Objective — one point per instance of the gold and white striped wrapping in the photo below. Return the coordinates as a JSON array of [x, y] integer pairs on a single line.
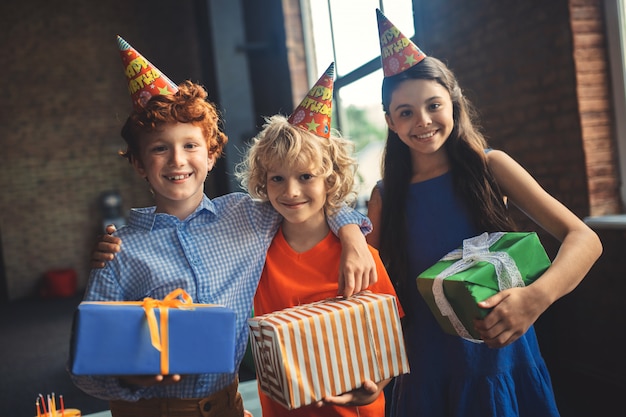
[[305, 353]]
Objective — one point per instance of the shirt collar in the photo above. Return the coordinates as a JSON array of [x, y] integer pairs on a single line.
[[145, 218]]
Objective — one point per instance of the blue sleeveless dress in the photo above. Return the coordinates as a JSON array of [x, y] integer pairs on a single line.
[[450, 376]]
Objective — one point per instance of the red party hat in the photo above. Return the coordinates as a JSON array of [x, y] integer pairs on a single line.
[[144, 79], [314, 113], [397, 52]]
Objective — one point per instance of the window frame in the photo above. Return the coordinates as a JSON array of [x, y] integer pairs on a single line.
[[344, 80]]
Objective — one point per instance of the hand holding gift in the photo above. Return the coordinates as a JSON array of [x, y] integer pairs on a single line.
[[150, 380], [483, 267], [511, 313], [366, 394]]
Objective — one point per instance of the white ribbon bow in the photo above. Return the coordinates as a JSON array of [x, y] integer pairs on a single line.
[[475, 250]]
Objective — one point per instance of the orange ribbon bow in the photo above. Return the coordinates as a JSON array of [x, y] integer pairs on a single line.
[[159, 337]]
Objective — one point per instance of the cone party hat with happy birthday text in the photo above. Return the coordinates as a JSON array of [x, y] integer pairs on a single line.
[[144, 79], [397, 52], [314, 113]]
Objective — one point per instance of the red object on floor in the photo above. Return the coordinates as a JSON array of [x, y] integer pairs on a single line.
[[59, 283]]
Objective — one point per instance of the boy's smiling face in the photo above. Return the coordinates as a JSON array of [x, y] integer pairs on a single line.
[[175, 161], [298, 194]]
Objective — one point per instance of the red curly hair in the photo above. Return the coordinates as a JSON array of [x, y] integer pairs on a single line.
[[188, 105]]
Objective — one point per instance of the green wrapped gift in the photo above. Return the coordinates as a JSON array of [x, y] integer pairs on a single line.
[[483, 266]]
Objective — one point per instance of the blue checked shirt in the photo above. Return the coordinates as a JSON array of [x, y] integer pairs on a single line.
[[216, 255]]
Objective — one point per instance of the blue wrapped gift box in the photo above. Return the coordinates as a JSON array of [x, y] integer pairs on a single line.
[[113, 338]]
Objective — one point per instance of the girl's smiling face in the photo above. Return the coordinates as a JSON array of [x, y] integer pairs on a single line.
[[420, 112], [175, 161]]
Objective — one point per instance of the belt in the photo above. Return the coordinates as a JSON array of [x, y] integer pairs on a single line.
[[224, 403]]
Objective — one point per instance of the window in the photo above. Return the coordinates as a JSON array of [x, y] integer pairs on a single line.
[[346, 32]]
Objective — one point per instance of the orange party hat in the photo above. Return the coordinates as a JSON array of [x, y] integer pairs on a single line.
[[397, 52], [144, 79], [314, 113]]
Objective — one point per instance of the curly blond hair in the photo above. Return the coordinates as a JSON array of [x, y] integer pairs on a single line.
[[281, 144]]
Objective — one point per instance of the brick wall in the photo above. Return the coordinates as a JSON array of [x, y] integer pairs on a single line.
[[295, 50], [514, 61], [64, 101], [538, 73]]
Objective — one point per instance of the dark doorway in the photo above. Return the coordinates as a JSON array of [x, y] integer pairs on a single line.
[[4, 292]]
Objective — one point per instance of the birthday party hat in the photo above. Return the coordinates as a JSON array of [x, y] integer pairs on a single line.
[[397, 52], [144, 79], [314, 113]]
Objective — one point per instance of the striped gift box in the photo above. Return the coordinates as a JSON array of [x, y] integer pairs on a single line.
[[305, 353]]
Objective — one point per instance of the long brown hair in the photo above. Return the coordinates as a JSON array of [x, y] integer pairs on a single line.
[[471, 176]]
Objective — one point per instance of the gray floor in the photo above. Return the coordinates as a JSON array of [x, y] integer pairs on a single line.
[[34, 351], [250, 395]]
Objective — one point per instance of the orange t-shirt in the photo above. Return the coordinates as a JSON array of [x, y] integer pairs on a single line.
[[289, 279]]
